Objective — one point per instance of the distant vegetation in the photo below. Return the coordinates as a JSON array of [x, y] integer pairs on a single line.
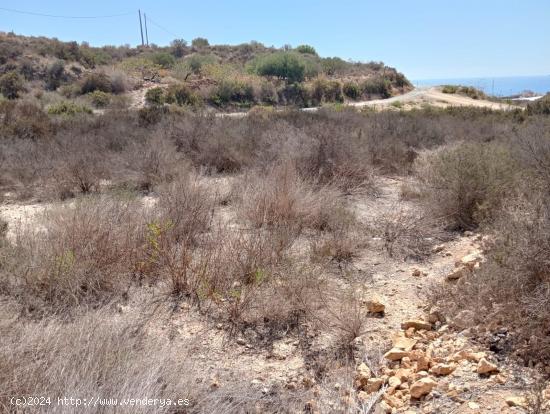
[[464, 90], [540, 106], [220, 76]]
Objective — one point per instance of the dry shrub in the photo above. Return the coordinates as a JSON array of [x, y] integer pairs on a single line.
[[149, 164], [408, 233], [280, 197], [346, 318], [185, 208], [98, 355], [466, 183], [81, 253], [513, 286]]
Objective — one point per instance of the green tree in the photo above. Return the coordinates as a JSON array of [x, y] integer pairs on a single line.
[[306, 50], [283, 65], [200, 42], [179, 47]]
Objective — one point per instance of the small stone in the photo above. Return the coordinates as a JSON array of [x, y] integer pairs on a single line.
[[402, 342], [416, 324], [501, 378], [457, 274], [515, 401], [395, 354], [362, 375], [473, 405], [439, 248], [468, 356], [416, 273], [470, 260], [422, 387], [442, 369], [374, 384], [394, 382], [486, 367], [393, 401], [376, 304]]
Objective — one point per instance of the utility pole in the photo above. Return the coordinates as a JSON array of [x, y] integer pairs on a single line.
[[140, 27], [146, 35]]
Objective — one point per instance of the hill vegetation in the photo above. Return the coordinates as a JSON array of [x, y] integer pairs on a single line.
[[211, 75]]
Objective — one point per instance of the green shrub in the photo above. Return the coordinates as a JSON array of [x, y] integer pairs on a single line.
[[540, 107], [92, 57], [196, 62], [283, 65], [376, 86], [181, 95], [465, 184], [294, 94], [68, 108], [268, 94], [11, 84], [96, 82], [306, 49], [163, 59], [55, 74], [449, 89], [100, 99], [230, 90], [155, 96], [464, 90], [326, 91], [332, 66], [351, 90], [200, 42]]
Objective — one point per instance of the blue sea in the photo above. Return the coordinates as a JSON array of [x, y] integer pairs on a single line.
[[498, 86]]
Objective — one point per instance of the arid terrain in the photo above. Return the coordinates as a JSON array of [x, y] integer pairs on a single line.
[[343, 260], [199, 228]]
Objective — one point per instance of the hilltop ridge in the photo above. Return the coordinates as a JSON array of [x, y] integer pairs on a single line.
[[191, 75]]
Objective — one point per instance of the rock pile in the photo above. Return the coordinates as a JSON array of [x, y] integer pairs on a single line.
[[417, 365]]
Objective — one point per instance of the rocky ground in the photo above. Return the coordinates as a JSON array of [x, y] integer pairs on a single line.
[[410, 359]]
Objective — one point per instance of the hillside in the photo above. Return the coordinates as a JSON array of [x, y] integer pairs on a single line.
[[51, 72]]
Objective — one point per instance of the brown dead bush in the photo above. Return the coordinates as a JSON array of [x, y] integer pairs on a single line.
[[98, 355], [185, 208], [82, 253], [281, 197]]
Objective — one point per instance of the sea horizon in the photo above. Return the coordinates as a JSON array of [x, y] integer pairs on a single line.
[[495, 85]]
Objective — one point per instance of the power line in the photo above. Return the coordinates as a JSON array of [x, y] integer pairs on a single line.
[[64, 17], [163, 28]]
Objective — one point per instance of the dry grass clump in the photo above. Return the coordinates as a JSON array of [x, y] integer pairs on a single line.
[[82, 253], [281, 196], [465, 184], [408, 233], [185, 208], [98, 355]]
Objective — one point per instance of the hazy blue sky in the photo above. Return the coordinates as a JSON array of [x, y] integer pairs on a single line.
[[422, 38]]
